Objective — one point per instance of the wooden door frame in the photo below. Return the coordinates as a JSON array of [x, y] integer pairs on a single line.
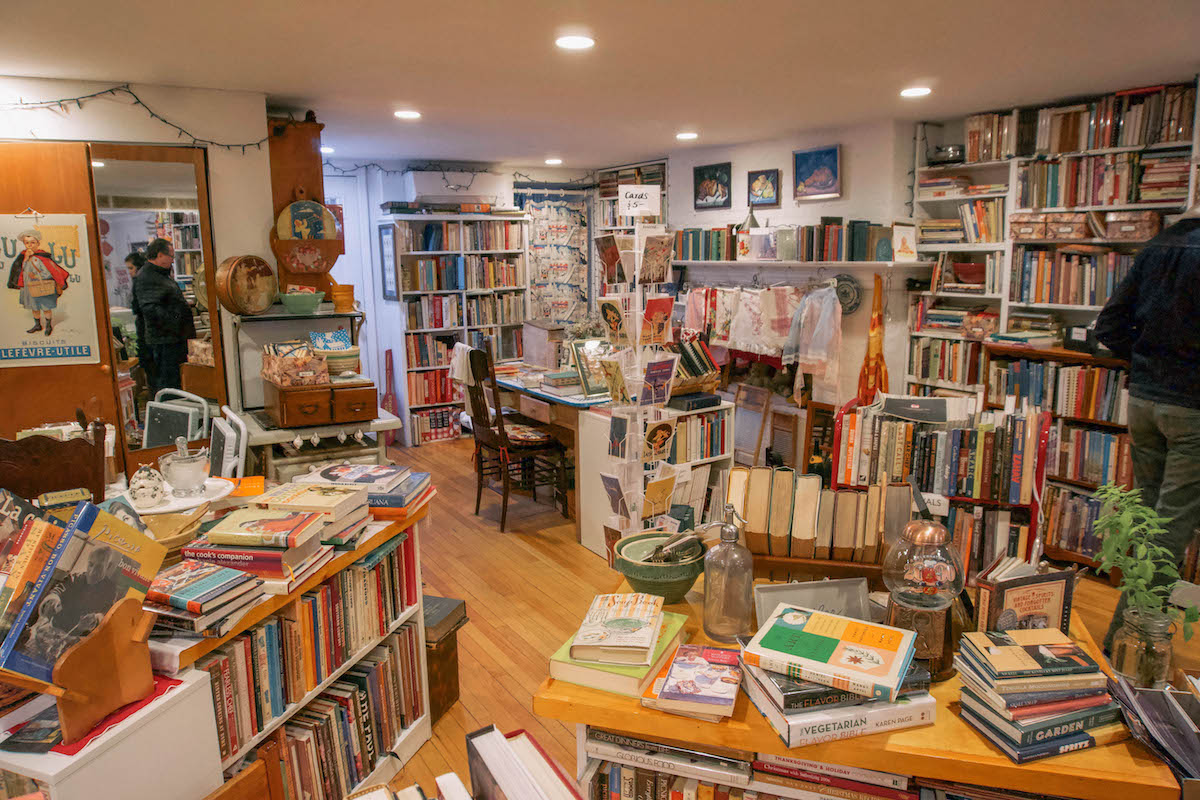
[[198, 158]]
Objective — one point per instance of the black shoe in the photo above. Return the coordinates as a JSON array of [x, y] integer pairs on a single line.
[[49, 327], [37, 326]]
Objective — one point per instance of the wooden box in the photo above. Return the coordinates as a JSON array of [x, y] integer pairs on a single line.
[[355, 403], [1027, 226], [298, 407], [443, 616], [542, 342]]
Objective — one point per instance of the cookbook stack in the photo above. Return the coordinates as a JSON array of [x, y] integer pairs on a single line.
[[196, 599]]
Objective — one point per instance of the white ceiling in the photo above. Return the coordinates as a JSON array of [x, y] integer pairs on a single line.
[[493, 87]]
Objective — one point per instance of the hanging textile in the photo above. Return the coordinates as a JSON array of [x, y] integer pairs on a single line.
[[696, 314], [724, 309], [815, 338], [747, 326], [873, 377], [762, 320], [558, 258]]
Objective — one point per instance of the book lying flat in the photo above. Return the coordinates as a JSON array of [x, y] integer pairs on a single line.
[[699, 680], [376, 478], [1081, 740], [332, 502], [619, 629], [1030, 653], [260, 527], [792, 695], [199, 587], [1023, 733], [628, 680], [1049, 683]]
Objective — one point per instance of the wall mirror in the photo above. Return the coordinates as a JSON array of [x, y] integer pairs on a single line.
[[165, 325]]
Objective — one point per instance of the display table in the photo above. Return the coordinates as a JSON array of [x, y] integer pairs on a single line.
[[949, 749]]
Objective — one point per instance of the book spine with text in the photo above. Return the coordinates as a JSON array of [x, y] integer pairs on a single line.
[[846, 723], [856, 774], [832, 785], [664, 762], [826, 675]]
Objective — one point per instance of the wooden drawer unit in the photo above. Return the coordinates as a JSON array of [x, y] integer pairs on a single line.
[[355, 403], [299, 407]]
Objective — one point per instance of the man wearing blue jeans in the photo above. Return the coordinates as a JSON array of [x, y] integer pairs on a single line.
[[1153, 320]]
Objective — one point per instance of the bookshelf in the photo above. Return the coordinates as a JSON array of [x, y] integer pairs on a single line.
[[459, 277], [605, 219], [1035, 132]]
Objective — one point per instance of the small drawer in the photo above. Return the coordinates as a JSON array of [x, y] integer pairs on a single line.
[[297, 408], [535, 409], [355, 404]]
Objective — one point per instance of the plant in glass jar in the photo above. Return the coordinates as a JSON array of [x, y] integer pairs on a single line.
[[1128, 529]]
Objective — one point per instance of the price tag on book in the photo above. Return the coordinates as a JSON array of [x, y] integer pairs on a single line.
[[938, 504], [639, 201]]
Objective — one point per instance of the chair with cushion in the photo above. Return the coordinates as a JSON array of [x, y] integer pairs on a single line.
[[510, 447]]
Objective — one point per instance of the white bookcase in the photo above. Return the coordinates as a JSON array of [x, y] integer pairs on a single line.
[[498, 311]]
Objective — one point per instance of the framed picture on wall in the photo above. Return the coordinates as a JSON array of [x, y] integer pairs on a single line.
[[387, 257], [710, 186], [762, 188], [817, 173]]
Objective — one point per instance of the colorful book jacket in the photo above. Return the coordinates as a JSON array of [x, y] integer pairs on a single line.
[[257, 527], [1030, 602], [799, 695], [620, 620], [700, 674], [14, 511], [836, 651], [189, 585], [409, 489], [97, 562], [1027, 653], [375, 478], [1081, 740]]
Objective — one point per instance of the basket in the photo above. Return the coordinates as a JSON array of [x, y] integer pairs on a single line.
[[340, 361], [41, 287], [295, 370]]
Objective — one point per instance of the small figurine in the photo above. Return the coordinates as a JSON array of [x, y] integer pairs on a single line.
[[147, 488]]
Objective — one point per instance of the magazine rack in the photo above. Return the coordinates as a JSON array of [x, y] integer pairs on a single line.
[[107, 669]]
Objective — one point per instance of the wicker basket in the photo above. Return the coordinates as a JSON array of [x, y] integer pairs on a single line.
[[340, 361]]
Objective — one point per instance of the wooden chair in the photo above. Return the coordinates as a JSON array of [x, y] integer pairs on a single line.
[[509, 447], [37, 464]]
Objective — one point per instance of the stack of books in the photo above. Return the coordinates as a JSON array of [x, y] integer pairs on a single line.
[[1163, 178], [562, 383], [342, 504], [941, 187], [202, 600], [630, 680], [940, 231], [1035, 693], [864, 688], [399, 503]]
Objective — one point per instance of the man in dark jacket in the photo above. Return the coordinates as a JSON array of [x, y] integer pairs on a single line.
[[1153, 320], [164, 319]]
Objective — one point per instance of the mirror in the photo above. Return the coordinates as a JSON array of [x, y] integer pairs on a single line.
[[155, 244]]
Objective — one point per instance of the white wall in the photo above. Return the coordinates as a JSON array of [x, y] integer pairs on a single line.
[[239, 184], [875, 162]]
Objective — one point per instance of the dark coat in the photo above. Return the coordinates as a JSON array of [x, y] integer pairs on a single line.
[[163, 316]]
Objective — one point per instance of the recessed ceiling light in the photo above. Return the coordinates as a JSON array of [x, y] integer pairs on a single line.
[[408, 113], [97, 163], [575, 42], [684, 136], [326, 149], [915, 91], [553, 162]]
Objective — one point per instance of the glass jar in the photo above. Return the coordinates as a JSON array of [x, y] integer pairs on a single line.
[[922, 570], [1141, 649], [728, 584]]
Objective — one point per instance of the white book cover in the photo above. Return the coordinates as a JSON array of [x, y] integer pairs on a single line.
[[666, 762], [885, 779], [619, 628]]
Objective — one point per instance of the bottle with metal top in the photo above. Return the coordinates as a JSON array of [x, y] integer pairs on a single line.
[[728, 583]]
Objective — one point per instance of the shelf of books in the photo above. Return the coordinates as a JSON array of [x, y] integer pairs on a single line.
[[1035, 229], [459, 277]]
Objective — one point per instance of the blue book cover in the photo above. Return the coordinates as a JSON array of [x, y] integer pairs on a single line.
[[272, 662], [403, 494], [311, 604], [263, 671], [372, 559]]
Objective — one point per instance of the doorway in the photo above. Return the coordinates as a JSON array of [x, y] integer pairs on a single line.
[[346, 197]]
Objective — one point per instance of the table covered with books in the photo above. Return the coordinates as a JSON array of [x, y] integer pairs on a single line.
[[947, 750]]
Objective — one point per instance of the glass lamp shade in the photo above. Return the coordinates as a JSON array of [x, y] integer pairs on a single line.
[[922, 570]]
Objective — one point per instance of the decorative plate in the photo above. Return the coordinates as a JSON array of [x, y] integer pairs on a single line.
[[306, 219], [849, 292]]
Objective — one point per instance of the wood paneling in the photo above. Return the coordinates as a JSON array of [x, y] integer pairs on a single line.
[[55, 178]]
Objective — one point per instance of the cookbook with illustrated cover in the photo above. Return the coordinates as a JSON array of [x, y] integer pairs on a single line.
[[376, 478], [260, 527], [627, 622], [193, 585], [328, 499], [1030, 601], [1027, 653], [14, 511], [832, 650], [701, 675]]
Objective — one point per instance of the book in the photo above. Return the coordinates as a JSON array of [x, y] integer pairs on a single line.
[[1022, 598], [377, 479], [344, 533], [823, 784], [213, 624], [865, 658], [856, 774], [1049, 683], [628, 680], [265, 562], [703, 766], [1081, 740], [699, 680], [39, 538], [1040, 707], [1031, 731], [258, 527], [198, 587], [758, 509], [1026, 653], [806, 505], [98, 561], [779, 521], [826, 725], [619, 629], [14, 512], [332, 502], [793, 695]]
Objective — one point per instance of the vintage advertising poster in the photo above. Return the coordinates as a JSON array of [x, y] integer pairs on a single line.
[[48, 314]]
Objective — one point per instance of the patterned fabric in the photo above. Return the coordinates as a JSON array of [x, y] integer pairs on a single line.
[[526, 434], [330, 340], [748, 326], [725, 309], [695, 315]]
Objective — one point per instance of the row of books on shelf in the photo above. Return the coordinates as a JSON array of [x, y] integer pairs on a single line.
[[435, 424], [978, 221], [441, 273], [428, 349], [1072, 275], [435, 311], [1103, 180], [954, 360], [487, 272], [982, 534], [482, 235], [1099, 393], [988, 455], [508, 343], [700, 436], [995, 136], [493, 235], [1070, 516], [1129, 118], [980, 275], [335, 741], [954, 187], [933, 313], [432, 386], [503, 309], [791, 515], [609, 181], [1089, 456], [607, 217], [833, 239]]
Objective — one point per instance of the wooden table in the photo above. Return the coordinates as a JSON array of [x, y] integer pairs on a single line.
[[949, 749]]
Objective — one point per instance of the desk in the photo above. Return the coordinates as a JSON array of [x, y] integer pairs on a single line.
[[561, 413], [949, 749]]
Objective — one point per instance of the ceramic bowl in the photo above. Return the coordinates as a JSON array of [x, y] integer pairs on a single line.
[[301, 302], [671, 580]]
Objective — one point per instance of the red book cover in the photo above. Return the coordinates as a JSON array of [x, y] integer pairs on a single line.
[[339, 632], [410, 569], [834, 781], [1061, 707], [230, 714]]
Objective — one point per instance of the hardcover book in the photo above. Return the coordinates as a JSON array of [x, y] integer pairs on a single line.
[[699, 680], [331, 501], [832, 650], [1024, 599], [619, 629], [408, 490], [376, 478], [1080, 740], [628, 680], [14, 511], [198, 587], [266, 562], [1027, 653], [794, 695], [259, 527], [1023, 733]]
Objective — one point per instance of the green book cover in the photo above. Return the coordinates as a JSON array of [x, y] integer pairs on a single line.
[[671, 625]]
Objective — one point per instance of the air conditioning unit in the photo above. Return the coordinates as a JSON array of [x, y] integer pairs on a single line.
[[485, 187]]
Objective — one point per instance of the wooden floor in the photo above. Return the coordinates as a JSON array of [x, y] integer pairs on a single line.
[[526, 590]]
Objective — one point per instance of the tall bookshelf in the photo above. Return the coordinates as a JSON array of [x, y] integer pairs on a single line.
[[459, 277], [606, 219], [1014, 172]]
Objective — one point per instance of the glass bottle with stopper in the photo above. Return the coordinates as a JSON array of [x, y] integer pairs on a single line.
[[728, 582]]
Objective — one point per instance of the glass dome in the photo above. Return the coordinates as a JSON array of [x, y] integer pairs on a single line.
[[922, 570]]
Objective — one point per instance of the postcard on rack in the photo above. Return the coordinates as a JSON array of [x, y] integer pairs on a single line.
[[658, 497], [656, 259], [657, 446], [615, 378], [618, 430], [613, 317], [610, 259], [627, 247], [616, 494], [656, 388], [656, 323]]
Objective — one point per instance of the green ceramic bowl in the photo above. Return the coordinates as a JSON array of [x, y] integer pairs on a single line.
[[301, 302], [670, 580]]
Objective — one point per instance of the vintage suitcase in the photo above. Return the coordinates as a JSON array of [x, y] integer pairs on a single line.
[[443, 617]]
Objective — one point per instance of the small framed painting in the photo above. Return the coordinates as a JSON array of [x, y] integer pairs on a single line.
[[762, 188], [387, 258], [587, 354], [710, 186], [817, 173]]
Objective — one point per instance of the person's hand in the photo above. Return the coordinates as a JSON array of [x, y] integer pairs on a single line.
[[88, 623], [50, 606]]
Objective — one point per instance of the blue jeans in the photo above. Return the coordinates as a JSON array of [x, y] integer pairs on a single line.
[[1166, 467]]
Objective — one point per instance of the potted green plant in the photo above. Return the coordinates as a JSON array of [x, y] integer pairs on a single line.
[[1128, 529]]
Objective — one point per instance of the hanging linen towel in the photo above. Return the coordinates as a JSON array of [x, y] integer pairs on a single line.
[[747, 327], [695, 314], [460, 365], [815, 337], [779, 305], [724, 309]]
